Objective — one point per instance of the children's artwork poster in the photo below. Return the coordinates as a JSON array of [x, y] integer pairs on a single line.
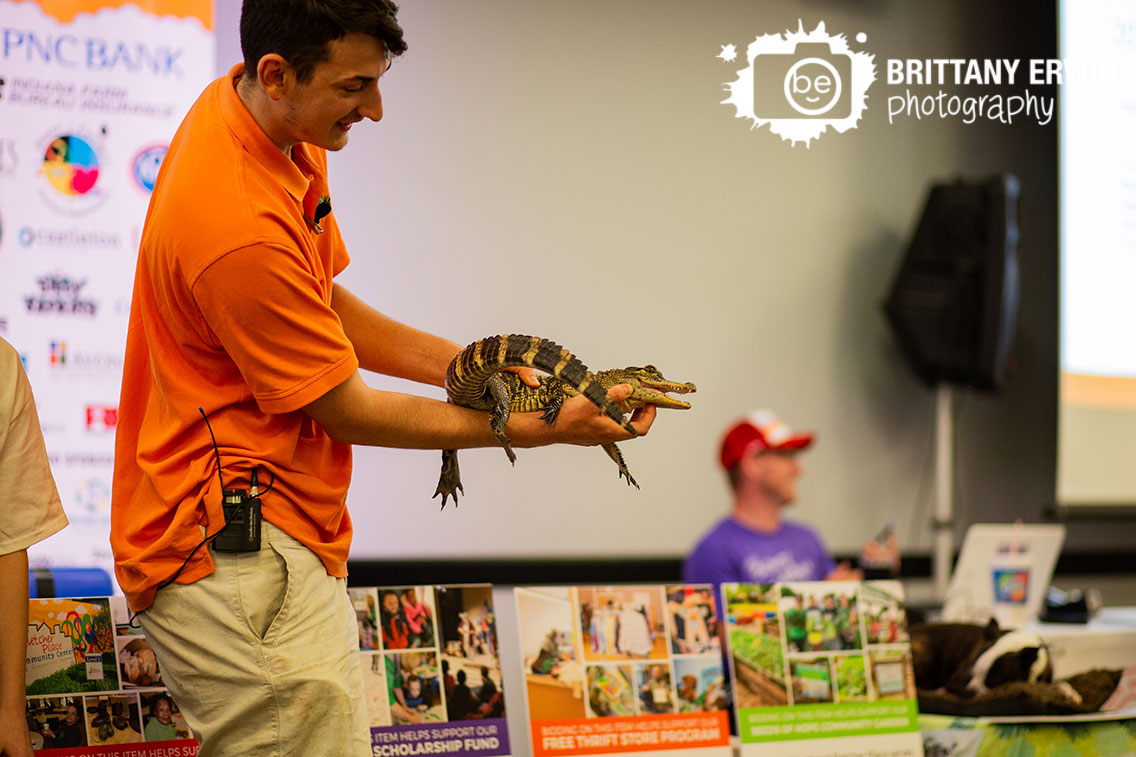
[[617, 669], [93, 686], [822, 667], [431, 670]]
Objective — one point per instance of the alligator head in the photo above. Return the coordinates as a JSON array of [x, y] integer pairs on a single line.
[[648, 385]]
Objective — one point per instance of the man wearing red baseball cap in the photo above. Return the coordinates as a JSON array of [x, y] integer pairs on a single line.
[[755, 544]]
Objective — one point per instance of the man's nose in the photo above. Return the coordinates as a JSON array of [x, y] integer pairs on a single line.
[[372, 105]]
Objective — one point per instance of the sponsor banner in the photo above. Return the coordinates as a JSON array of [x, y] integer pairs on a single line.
[[615, 669], [91, 92], [431, 670], [820, 662]]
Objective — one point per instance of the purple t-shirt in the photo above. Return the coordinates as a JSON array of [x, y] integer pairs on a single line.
[[730, 552]]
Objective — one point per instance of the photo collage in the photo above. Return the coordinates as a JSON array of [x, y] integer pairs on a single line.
[[92, 678], [428, 654], [818, 643], [620, 651]]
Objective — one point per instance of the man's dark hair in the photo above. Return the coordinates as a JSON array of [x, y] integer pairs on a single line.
[[301, 30]]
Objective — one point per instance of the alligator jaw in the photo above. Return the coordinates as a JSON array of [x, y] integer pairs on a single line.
[[648, 386], [646, 395]]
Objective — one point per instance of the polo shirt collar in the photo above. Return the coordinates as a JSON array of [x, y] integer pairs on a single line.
[[264, 150]]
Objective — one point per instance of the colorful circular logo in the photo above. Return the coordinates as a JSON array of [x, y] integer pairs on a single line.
[[71, 165], [146, 165]]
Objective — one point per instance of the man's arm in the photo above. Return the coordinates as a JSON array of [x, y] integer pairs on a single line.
[[419, 356], [14, 738], [355, 413]]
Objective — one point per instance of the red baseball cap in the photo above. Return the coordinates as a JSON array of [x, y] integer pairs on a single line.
[[760, 430]]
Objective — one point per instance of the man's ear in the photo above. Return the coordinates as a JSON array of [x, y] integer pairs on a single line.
[[274, 75]]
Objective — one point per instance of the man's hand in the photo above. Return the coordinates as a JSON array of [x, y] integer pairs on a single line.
[[527, 375], [881, 555], [580, 422]]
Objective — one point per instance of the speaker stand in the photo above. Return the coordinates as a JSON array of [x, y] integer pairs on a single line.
[[943, 524]]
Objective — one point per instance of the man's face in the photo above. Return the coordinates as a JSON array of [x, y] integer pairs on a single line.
[[72, 714], [343, 90], [775, 472]]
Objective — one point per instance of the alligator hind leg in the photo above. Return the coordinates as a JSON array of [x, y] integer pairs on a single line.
[[449, 482], [614, 453], [499, 413]]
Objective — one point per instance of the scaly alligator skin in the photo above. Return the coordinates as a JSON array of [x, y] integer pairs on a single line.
[[474, 380]]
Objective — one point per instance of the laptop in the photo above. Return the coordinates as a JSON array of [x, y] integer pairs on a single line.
[[998, 557]]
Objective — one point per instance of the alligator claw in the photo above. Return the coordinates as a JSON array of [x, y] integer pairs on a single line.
[[449, 481], [617, 456]]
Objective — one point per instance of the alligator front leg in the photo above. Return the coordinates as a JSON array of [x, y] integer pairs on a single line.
[[553, 401], [614, 453], [449, 482], [499, 413]]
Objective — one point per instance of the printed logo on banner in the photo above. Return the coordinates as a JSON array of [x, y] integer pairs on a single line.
[[801, 83], [102, 417], [91, 52], [70, 172], [92, 497], [62, 295], [144, 167], [71, 239], [64, 359]]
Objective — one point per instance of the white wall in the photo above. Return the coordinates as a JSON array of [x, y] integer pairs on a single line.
[[567, 170]]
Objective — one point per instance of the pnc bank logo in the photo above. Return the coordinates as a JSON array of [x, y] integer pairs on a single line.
[[801, 83]]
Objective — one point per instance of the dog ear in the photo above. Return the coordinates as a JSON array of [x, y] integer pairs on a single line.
[[992, 630]]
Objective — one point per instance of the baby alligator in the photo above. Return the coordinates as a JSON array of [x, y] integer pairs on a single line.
[[474, 379]]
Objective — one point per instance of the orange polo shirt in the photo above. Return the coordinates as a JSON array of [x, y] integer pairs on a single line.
[[231, 313]]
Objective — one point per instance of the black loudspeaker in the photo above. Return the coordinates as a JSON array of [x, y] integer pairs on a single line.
[[953, 306]]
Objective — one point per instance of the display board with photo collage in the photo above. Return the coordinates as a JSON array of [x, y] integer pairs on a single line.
[[822, 660], [93, 684], [431, 670], [613, 669]]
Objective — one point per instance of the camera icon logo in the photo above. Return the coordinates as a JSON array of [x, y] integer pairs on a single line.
[[808, 83], [800, 83]]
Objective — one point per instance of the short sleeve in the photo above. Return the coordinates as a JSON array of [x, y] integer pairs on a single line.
[[30, 508], [270, 310]]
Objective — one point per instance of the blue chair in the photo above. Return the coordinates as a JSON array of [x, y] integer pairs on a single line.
[[44, 583]]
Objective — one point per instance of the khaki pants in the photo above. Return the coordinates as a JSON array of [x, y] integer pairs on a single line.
[[262, 656]]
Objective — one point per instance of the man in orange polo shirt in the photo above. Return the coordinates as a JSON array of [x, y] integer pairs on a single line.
[[235, 312]]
